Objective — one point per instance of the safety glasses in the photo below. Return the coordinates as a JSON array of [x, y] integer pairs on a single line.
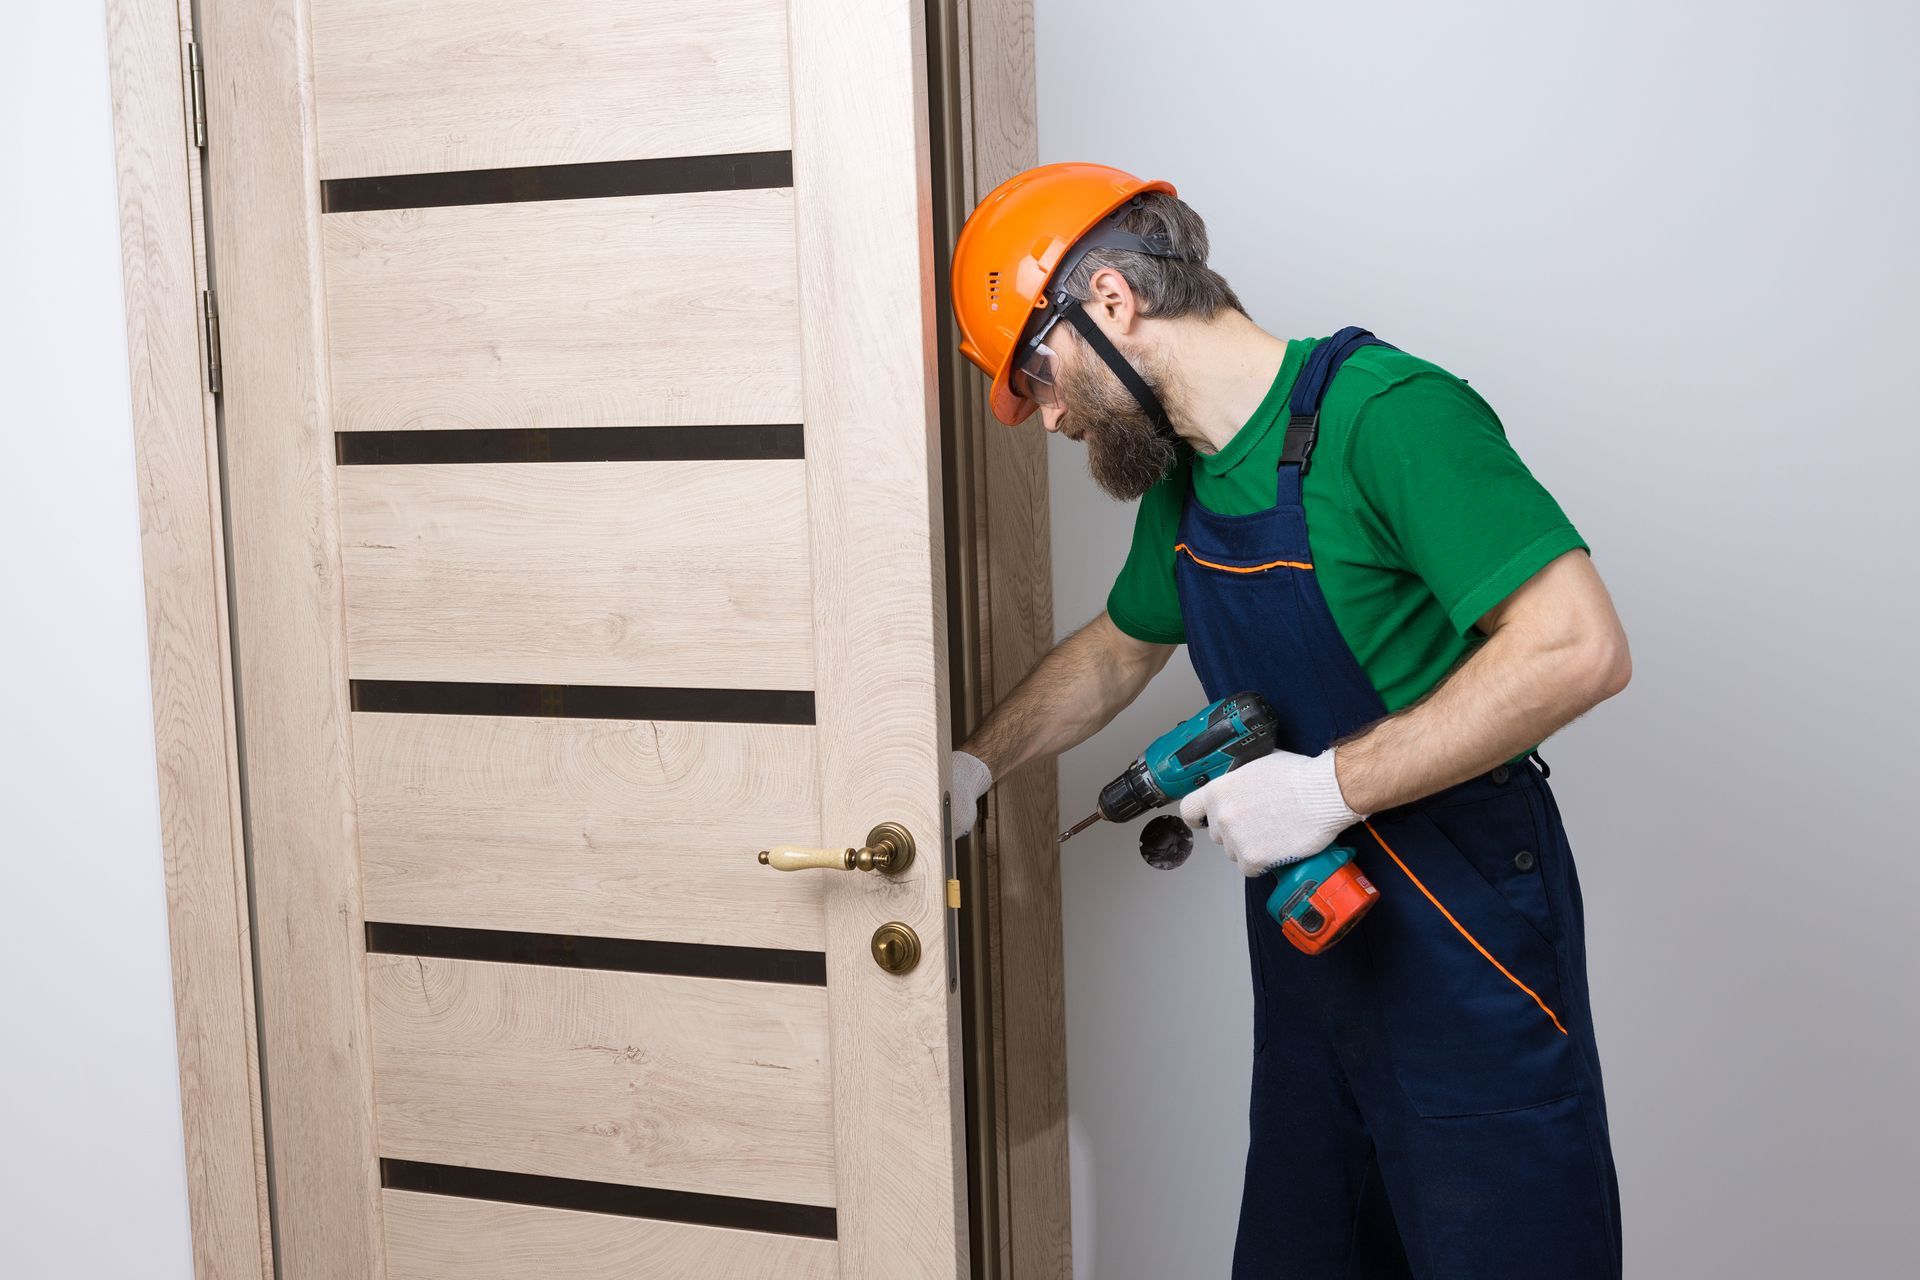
[[1032, 376]]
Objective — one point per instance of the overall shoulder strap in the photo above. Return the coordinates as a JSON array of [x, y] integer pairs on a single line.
[[1310, 388]]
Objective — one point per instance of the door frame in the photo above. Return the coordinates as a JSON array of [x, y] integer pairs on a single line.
[[183, 563], [982, 100], [980, 58]]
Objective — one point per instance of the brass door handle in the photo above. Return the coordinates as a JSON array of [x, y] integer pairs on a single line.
[[888, 850]]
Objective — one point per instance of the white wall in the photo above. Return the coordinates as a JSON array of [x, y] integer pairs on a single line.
[[93, 1176], [1677, 246]]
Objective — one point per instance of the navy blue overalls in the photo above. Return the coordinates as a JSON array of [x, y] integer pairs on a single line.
[[1426, 1094]]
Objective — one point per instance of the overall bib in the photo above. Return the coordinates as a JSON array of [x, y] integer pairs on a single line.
[[1426, 1094]]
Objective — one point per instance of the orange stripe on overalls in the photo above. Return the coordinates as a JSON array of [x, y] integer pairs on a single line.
[[1463, 930], [1234, 568]]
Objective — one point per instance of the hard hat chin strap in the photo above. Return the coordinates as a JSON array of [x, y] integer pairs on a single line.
[[1109, 235], [1076, 315]]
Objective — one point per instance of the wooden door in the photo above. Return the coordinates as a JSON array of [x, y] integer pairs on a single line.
[[582, 467]]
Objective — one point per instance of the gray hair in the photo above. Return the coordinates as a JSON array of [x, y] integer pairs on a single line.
[[1167, 288]]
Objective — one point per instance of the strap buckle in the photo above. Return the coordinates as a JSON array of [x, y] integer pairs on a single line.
[[1303, 432]]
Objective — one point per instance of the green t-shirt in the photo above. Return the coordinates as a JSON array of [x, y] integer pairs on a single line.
[[1421, 514]]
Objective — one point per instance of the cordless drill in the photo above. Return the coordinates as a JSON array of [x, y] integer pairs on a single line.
[[1317, 899]]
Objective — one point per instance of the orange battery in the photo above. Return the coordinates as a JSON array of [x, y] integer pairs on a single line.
[[1320, 898]]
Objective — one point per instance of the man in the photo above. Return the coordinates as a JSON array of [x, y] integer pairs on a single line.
[[1427, 1097]]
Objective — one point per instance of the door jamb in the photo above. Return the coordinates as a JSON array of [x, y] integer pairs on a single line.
[[183, 564], [1000, 591]]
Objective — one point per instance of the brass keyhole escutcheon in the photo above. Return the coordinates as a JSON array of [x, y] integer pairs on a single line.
[[896, 948]]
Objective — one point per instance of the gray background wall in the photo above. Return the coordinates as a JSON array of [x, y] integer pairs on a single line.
[[1675, 245], [93, 1179]]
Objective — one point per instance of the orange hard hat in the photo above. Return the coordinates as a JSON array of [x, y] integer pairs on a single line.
[[1009, 250]]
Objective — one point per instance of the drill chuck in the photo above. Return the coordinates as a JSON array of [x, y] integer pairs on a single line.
[[1131, 794]]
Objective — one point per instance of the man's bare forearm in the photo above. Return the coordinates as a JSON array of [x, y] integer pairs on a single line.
[[1501, 701], [1074, 691], [1554, 652]]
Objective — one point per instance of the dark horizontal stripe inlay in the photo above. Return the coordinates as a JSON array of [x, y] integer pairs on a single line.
[[571, 444], [584, 701], [741, 171], [741, 1214], [620, 955]]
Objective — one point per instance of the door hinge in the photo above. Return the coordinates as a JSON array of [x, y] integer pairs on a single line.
[[210, 317], [196, 96]]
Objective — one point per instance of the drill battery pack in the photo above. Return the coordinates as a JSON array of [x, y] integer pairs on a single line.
[[1320, 898]]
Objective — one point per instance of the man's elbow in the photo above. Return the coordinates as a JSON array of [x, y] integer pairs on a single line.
[[1603, 667], [1141, 660]]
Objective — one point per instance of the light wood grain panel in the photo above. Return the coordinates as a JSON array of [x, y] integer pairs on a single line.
[[611, 828], [689, 1084], [289, 638], [183, 561], [624, 573], [405, 87], [633, 311], [859, 72], [442, 1238]]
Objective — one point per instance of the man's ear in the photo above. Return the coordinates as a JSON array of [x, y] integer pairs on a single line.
[[1111, 297]]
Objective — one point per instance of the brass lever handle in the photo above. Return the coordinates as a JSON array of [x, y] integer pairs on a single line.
[[888, 850]]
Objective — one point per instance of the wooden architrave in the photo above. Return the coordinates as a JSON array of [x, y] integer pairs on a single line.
[[1023, 818], [176, 450], [1003, 604]]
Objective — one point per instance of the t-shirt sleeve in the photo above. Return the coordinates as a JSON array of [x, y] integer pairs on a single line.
[[1144, 601], [1442, 494]]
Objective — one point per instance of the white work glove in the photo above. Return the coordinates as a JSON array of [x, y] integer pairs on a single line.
[[971, 778], [1278, 809]]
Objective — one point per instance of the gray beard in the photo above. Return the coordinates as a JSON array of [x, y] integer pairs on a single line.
[[1125, 455]]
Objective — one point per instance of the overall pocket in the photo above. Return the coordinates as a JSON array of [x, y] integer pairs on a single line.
[[1498, 837], [1467, 983]]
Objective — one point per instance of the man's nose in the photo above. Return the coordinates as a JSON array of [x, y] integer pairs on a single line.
[[1050, 415]]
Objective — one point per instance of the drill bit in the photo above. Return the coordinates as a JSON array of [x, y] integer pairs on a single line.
[[1079, 826]]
